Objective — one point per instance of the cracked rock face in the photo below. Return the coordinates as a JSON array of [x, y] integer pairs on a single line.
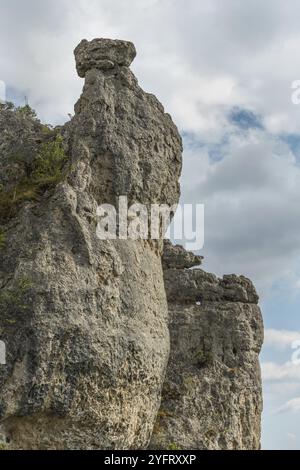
[[212, 397], [87, 331], [85, 321]]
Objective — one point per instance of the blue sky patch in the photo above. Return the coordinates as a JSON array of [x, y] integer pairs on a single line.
[[245, 119]]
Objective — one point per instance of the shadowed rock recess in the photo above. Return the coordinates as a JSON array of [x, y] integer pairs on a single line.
[[86, 322]]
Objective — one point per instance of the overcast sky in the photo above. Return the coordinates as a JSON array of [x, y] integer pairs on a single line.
[[224, 70]]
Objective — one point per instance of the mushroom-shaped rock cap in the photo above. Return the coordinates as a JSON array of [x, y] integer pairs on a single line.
[[103, 54]]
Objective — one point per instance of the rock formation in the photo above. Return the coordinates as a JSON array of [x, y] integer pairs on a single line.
[[212, 396], [85, 321], [86, 359]]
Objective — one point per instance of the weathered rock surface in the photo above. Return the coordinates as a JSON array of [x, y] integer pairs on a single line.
[[212, 396], [175, 256], [85, 320], [103, 54]]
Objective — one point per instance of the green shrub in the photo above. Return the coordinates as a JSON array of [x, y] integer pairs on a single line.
[[10, 200], [46, 170], [7, 106], [174, 446], [27, 112], [2, 240], [47, 167]]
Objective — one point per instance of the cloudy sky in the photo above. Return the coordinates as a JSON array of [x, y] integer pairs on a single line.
[[224, 70]]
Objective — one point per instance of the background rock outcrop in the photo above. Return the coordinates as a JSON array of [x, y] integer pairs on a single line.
[[212, 397]]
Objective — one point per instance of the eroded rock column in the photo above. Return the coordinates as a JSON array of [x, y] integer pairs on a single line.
[[88, 348]]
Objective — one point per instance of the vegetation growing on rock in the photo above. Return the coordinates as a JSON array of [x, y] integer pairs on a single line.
[[31, 165], [12, 301], [2, 239]]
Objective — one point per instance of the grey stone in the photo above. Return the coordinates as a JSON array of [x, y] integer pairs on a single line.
[[175, 256], [103, 54], [212, 397], [87, 340]]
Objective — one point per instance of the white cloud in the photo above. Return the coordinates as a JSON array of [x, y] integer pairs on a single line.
[[290, 406], [275, 390], [251, 199], [280, 372], [195, 57], [280, 339]]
